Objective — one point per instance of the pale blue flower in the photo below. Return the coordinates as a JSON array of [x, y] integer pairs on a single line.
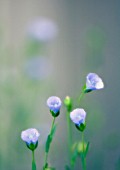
[[43, 29], [93, 82], [54, 103], [30, 136], [78, 116]]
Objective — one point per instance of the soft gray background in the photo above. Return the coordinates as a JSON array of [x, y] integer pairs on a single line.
[[88, 41]]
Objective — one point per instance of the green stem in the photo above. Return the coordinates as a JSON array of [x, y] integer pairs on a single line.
[[81, 96], [83, 155], [46, 153], [69, 132], [69, 129], [45, 162], [83, 141], [53, 122], [33, 161]]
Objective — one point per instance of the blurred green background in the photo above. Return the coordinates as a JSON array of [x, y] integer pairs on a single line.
[[87, 39]]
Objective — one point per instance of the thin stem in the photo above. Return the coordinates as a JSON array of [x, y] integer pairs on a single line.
[[46, 153], [81, 96], [69, 131], [33, 161], [83, 156], [45, 161], [83, 141], [33, 156], [53, 122], [84, 163]]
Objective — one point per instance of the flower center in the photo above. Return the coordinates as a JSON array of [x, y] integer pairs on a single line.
[[30, 136], [54, 103]]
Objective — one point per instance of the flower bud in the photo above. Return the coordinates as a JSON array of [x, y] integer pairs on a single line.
[[81, 148], [68, 103]]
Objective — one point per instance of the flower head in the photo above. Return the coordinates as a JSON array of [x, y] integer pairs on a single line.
[[78, 117], [93, 82], [43, 30], [54, 104], [30, 136]]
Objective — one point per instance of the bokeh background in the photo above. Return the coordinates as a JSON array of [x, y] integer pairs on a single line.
[[80, 37]]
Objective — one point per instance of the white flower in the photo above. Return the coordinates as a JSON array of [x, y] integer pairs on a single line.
[[30, 136], [54, 104], [43, 29], [94, 82], [78, 116]]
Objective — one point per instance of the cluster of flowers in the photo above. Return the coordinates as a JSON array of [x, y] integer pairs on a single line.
[[78, 115]]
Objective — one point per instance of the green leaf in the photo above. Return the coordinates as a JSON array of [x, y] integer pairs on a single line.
[[45, 166], [87, 148], [84, 87], [74, 156], [33, 166], [49, 140]]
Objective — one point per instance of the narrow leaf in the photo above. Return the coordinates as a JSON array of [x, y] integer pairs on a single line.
[[49, 139], [74, 156], [87, 148]]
